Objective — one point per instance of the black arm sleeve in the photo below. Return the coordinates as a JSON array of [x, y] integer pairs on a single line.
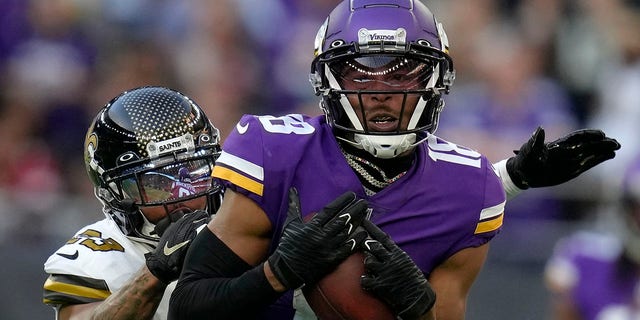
[[217, 284]]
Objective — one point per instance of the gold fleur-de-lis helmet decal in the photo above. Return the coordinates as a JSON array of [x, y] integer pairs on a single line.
[[90, 146]]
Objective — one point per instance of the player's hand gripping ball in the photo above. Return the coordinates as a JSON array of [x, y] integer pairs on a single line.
[[339, 295], [309, 250]]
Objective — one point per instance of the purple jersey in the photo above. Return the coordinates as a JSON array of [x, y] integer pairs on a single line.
[[601, 284], [450, 199]]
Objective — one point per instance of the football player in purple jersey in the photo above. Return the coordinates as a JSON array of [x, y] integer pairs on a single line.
[[370, 169], [595, 274], [149, 153]]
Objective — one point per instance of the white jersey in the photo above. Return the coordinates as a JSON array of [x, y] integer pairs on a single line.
[[96, 262]]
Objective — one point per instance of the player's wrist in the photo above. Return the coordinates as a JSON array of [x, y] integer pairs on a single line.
[[510, 187], [152, 278], [153, 266], [275, 283], [420, 308]]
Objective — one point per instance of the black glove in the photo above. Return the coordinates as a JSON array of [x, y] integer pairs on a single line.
[[165, 262], [308, 251], [537, 164], [172, 217], [393, 277]]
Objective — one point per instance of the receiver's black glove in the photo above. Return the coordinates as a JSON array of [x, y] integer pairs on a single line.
[[308, 251], [539, 164], [393, 277], [165, 262]]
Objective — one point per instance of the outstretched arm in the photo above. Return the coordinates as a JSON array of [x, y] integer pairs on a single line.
[[538, 164]]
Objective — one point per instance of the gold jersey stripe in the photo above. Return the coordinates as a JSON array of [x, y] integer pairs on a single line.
[[76, 290], [489, 225], [238, 179]]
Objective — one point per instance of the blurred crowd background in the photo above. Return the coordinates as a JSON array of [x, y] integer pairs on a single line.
[[562, 64]]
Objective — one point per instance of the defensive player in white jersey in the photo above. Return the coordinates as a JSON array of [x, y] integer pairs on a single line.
[[149, 154]]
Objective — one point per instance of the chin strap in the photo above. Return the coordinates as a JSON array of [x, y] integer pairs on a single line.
[[384, 147]]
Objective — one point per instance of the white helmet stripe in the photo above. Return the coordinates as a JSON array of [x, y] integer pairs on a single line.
[[434, 78], [348, 109], [413, 122], [417, 113]]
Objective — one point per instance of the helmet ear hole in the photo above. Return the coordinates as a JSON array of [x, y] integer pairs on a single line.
[[337, 43], [205, 138], [127, 157], [424, 42]]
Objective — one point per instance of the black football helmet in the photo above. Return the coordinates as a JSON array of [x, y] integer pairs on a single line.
[[373, 47], [151, 146]]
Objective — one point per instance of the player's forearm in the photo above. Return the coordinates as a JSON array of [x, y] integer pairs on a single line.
[[222, 298], [273, 280], [139, 299], [216, 283]]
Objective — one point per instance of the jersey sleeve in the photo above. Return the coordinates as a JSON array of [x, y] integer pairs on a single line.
[[67, 289], [492, 213], [90, 266], [258, 157], [240, 166], [488, 210]]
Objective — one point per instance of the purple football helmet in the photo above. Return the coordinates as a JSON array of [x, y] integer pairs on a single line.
[[391, 47]]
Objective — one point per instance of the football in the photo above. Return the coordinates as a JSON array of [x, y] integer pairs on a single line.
[[340, 296]]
